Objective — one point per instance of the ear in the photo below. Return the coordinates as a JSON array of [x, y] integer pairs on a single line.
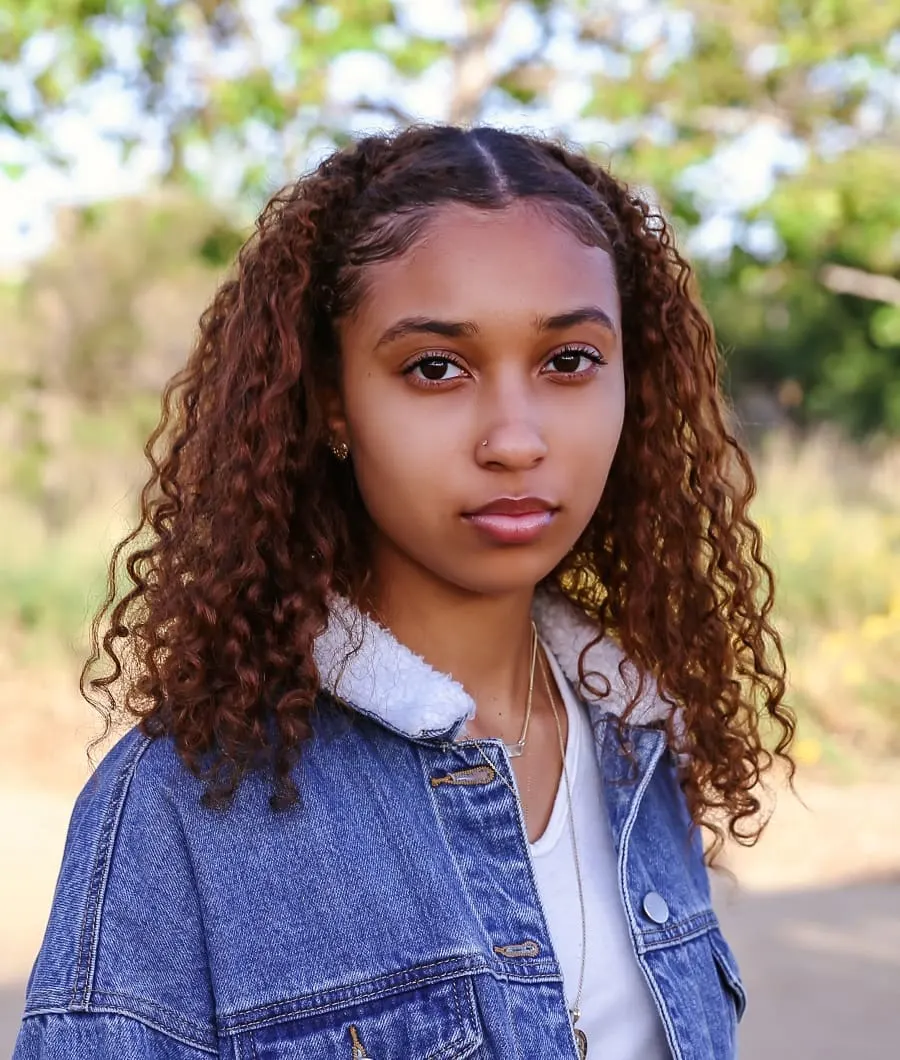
[[335, 419]]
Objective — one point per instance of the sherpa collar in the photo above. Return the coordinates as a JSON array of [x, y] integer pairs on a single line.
[[363, 664]]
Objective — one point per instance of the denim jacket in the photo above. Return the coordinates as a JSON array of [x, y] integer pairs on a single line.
[[392, 914]]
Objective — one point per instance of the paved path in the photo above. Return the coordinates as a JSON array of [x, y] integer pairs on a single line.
[[822, 969]]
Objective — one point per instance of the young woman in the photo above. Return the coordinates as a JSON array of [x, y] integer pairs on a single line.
[[448, 629]]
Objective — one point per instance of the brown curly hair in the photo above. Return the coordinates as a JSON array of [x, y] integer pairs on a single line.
[[247, 525]]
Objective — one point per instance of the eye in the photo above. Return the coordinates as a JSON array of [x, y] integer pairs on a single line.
[[570, 361], [432, 370]]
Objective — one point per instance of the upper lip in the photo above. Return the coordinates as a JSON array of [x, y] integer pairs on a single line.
[[514, 506]]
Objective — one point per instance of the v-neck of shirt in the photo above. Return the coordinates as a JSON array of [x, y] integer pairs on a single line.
[[559, 814]]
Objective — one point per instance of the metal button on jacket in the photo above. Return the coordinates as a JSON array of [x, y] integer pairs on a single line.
[[655, 907]]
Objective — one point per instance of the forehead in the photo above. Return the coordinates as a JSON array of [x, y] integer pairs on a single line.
[[484, 265]]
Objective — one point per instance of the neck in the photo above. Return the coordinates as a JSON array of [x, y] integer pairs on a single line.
[[483, 642]]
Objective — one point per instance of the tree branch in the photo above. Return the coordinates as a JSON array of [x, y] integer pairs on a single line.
[[472, 73], [842, 279]]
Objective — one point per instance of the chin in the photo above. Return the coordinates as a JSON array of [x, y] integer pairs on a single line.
[[503, 575]]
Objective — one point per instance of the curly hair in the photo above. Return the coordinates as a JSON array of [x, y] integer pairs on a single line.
[[248, 526]]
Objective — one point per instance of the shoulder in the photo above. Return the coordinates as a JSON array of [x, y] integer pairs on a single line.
[[125, 931], [147, 871]]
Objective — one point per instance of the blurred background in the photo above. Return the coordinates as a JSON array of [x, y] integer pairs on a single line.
[[139, 139]]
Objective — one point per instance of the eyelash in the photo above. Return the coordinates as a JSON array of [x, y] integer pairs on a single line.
[[587, 352]]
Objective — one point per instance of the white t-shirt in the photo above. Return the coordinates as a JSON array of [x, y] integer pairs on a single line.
[[618, 1014]]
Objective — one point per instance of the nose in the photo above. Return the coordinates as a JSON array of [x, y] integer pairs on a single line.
[[516, 443]]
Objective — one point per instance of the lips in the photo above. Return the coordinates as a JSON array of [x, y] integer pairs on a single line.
[[513, 520], [514, 506]]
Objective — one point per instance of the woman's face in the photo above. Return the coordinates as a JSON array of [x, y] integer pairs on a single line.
[[483, 369]]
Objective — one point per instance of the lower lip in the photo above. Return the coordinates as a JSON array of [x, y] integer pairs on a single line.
[[512, 529]]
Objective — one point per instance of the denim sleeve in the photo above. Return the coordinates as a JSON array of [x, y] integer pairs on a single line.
[[100, 1036], [124, 953]]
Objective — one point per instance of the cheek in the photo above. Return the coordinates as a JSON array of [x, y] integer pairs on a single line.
[[589, 434], [403, 453], [587, 451], [396, 472]]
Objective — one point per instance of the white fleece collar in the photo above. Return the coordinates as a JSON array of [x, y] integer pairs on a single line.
[[363, 664]]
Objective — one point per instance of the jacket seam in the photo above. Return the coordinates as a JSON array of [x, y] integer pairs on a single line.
[[85, 961], [524, 980], [297, 1007], [728, 967], [197, 891], [627, 829], [109, 1010], [470, 1032], [691, 927], [433, 796], [546, 967], [174, 1018], [138, 1008]]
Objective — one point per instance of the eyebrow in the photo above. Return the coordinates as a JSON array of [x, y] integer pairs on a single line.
[[457, 329], [586, 314], [426, 326]]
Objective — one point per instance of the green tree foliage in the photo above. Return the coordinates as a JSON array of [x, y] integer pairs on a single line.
[[805, 289], [91, 336]]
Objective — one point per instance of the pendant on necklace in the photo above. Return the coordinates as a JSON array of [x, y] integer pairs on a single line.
[[580, 1036], [514, 750]]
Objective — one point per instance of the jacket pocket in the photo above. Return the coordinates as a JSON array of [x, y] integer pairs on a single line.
[[728, 969], [435, 1021]]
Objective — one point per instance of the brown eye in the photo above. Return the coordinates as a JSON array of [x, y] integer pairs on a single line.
[[567, 362], [433, 370], [575, 361]]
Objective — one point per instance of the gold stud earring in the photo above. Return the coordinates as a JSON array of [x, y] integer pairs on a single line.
[[341, 450]]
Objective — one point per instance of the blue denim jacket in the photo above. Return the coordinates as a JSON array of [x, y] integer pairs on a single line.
[[392, 913]]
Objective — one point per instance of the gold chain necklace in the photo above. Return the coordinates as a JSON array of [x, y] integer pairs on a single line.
[[574, 1011], [515, 750]]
